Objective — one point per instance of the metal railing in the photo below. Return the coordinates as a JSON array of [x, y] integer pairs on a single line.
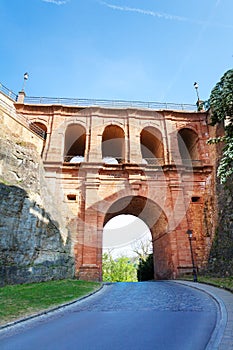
[[197, 162], [191, 162], [22, 119], [79, 159], [9, 93], [153, 161], [40, 132], [82, 102], [145, 161], [120, 160]]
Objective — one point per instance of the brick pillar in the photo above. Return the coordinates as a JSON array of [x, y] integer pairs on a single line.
[[95, 148], [180, 242], [173, 146], [135, 146], [90, 270]]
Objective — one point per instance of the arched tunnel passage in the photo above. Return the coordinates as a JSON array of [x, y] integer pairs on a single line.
[[156, 220], [122, 231], [127, 246]]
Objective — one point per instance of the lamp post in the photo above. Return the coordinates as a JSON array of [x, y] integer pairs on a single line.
[[25, 78], [196, 88], [199, 102], [190, 235]]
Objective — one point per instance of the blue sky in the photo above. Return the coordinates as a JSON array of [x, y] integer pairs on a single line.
[[150, 50]]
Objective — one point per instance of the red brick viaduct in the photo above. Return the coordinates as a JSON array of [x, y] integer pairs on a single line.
[[149, 161]]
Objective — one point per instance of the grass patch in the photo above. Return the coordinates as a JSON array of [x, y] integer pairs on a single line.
[[25, 299], [5, 182], [221, 282]]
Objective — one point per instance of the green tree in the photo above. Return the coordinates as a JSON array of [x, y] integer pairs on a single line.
[[221, 106], [120, 270], [145, 271]]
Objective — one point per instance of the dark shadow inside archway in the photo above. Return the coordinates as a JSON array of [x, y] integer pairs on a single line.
[[188, 146], [152, 146], [156, 220], [75, 141], [113, 143]]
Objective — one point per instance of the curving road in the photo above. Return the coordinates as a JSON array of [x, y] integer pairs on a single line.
[[122, 316]]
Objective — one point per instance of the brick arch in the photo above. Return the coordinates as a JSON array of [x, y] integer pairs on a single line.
[[39, 127], [71, 121], [153, 124], [56, 139], [113, 142], [156, 220], [187, 126], [152, 147], [110, 123], [188, 143], [144, 208], [39, 120], [74, 141]]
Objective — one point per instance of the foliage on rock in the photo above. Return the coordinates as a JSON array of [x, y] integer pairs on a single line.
[[221, 105]]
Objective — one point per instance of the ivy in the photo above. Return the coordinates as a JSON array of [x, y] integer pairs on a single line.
[[221, 106]]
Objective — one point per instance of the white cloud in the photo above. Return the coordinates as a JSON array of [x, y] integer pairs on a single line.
[[144, 12], [163, 15], [57, 2]]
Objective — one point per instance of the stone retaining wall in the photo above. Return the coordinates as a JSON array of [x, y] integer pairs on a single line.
[[34, 242]]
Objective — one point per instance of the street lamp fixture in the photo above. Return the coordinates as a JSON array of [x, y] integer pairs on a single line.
[[196, 86], [25, 78], [190, 235]]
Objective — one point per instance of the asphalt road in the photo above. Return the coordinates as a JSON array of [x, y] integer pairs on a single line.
[[145, 315]]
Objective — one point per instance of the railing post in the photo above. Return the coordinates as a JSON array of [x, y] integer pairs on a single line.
[[21, 97]]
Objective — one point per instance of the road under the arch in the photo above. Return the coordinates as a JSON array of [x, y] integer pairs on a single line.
[[145, 315]]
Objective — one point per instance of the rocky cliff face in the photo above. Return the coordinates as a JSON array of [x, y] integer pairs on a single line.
[[34, 242], [221, 255]]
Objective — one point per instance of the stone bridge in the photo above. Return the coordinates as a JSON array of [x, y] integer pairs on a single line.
[[101, 162]]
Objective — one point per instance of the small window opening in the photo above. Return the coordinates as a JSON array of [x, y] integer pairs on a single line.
[[195, 199], [71, 197]]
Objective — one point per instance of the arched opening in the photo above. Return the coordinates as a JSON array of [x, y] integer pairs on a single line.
[[75, 142], [188, 146], [122, 232], [127, 245], [39, 128], [113, 144], [156, 221], [152, 146]]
